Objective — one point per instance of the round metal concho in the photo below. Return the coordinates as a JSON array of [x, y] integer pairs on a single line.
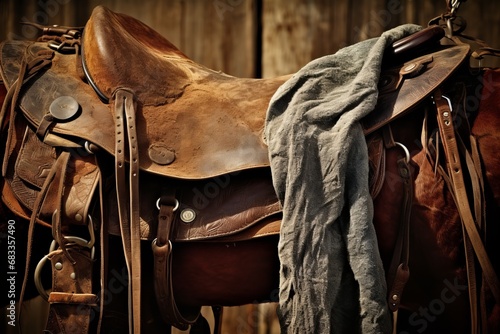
[[188, 215], [64, 107], [161, 155], [408, 68]]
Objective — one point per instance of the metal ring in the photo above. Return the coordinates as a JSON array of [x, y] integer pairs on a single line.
[[41, 263], [154, 244], [407, 153], [89, 244], [449, 102], [87, 147], [90, 225], [81, 242], [38, 281], [176, 206]]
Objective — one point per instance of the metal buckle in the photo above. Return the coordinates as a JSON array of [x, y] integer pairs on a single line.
[[71, 241], [66, 44], [90, 227], [38, 271]]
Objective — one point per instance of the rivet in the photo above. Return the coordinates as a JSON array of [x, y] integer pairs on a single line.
[[72, 275], [446, 114], [394, 297], [58, 265], [188, 215], [78, 217]]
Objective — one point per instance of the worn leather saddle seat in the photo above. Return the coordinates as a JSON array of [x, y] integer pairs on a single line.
[[200, 122]]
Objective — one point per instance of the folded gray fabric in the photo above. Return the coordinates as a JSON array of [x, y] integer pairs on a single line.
[[332, 278]]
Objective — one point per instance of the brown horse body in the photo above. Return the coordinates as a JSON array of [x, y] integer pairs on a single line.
[[435, 299], [436, 296]]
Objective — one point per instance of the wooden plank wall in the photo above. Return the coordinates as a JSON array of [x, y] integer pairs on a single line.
[[255, 38]]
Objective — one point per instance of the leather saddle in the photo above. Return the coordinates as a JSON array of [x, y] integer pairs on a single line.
[[153, 145]]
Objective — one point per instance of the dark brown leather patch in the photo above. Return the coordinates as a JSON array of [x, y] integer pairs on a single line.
[[393, 103]]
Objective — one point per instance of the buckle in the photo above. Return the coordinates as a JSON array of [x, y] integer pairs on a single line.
[[71, 242], [90, 226], [60, 38]]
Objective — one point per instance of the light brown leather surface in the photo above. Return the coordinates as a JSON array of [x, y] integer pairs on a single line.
[[210, 121]]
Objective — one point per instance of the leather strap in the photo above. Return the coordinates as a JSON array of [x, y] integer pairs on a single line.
[[218, 312], [399, 271], [71, 299], [54, 172], [447, 134], [104, 250], [28, 68], [66, 308], [162, 251], [128, 198]]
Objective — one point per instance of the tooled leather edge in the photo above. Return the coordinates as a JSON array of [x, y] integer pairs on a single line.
[[413, 90]]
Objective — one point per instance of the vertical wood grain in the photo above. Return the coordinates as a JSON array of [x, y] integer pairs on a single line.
[[221, 34], [295, 32]]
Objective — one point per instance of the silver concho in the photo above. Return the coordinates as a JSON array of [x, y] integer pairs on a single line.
[[63, 108]]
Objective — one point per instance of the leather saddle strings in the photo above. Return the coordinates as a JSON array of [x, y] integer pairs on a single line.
[[128, 197]]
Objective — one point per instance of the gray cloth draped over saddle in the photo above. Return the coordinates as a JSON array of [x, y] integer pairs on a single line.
[[331, 277]]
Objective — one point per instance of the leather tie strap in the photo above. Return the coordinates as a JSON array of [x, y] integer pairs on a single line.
[[399, 271], [162, 251], [54, 174], [447, 132], [128, 198], [71, 299]]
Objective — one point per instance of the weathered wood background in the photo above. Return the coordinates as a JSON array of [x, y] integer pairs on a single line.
[[255, 38]]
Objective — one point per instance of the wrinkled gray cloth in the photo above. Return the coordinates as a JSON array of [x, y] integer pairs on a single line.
[[331, 276]]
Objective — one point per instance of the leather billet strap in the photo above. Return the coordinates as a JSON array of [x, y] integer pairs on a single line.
[[54, 177], [71, 300], [399, 271], [162, 251], [458, 189], [127, 189]]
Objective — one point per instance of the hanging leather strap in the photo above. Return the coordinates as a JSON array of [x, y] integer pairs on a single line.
[[399, 271], [455, 171], [54, 173], [127, 190], [71, 299], [162, 251]]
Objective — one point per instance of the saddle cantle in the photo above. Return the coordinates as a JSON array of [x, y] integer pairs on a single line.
[[207, 123], [196, 135]]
